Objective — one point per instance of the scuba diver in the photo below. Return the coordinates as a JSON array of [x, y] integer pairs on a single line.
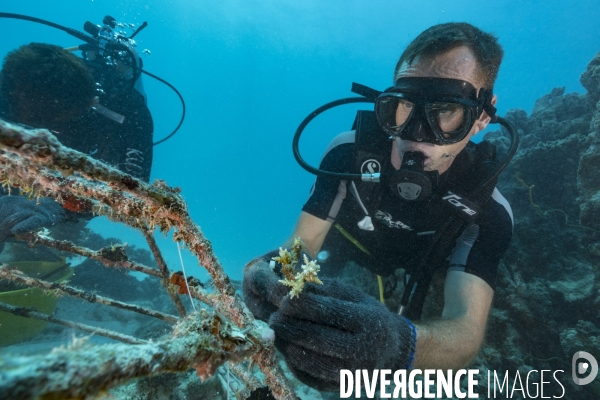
[[89, 105], [405, 189], [94, 104]]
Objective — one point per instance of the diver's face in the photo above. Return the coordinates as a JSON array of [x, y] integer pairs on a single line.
[[458, 63]]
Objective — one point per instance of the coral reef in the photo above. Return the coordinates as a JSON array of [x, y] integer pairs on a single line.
[[36, 163], [546, 303]]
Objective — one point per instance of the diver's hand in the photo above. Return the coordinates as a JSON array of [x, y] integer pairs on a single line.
[[336, 326], [261, 287], [19, 214]]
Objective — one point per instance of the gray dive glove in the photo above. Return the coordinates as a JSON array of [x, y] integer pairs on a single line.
[[328, 327], [19, 214]]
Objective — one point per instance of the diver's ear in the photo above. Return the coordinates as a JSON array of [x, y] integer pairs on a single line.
[[493, 100], [484, 118]]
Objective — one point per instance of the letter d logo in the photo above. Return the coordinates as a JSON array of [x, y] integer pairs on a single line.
[[581, 367]]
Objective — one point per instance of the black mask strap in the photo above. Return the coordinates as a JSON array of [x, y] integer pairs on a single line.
[[486, 96]]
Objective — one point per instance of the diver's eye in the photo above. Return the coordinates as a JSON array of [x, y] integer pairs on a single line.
[[446, 109], [447, 116], [405, 104]]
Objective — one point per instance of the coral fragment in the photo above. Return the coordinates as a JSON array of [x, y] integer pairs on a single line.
[[296, 281]]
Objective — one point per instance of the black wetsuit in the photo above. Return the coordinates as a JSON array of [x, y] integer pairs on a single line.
[[127, 145], [403, 229]]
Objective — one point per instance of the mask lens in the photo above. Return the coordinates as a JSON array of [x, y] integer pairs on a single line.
[[403, 111], [393, 113], [447, 117]]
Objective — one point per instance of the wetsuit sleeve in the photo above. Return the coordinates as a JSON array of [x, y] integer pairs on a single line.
[[328, 193], [481, 253]]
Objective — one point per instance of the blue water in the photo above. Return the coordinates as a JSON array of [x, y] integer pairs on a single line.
[[251, 71]]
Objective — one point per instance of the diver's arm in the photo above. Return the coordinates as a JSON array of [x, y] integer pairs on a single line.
[[453, 341], [311, 231]]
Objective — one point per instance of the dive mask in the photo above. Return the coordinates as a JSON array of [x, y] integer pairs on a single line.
[[440, 111]]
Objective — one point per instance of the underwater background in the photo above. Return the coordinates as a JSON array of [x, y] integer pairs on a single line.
[[251, 71]]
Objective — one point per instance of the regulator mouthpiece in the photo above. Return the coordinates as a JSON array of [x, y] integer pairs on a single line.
[[411, 182]]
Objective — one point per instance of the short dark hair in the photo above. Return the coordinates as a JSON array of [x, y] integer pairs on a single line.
[[47, 83], [442, 38]]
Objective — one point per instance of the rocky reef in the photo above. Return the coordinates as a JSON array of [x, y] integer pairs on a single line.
[[547, 303]]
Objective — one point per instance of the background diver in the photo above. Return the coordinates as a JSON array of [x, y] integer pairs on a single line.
[[95, 104]]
